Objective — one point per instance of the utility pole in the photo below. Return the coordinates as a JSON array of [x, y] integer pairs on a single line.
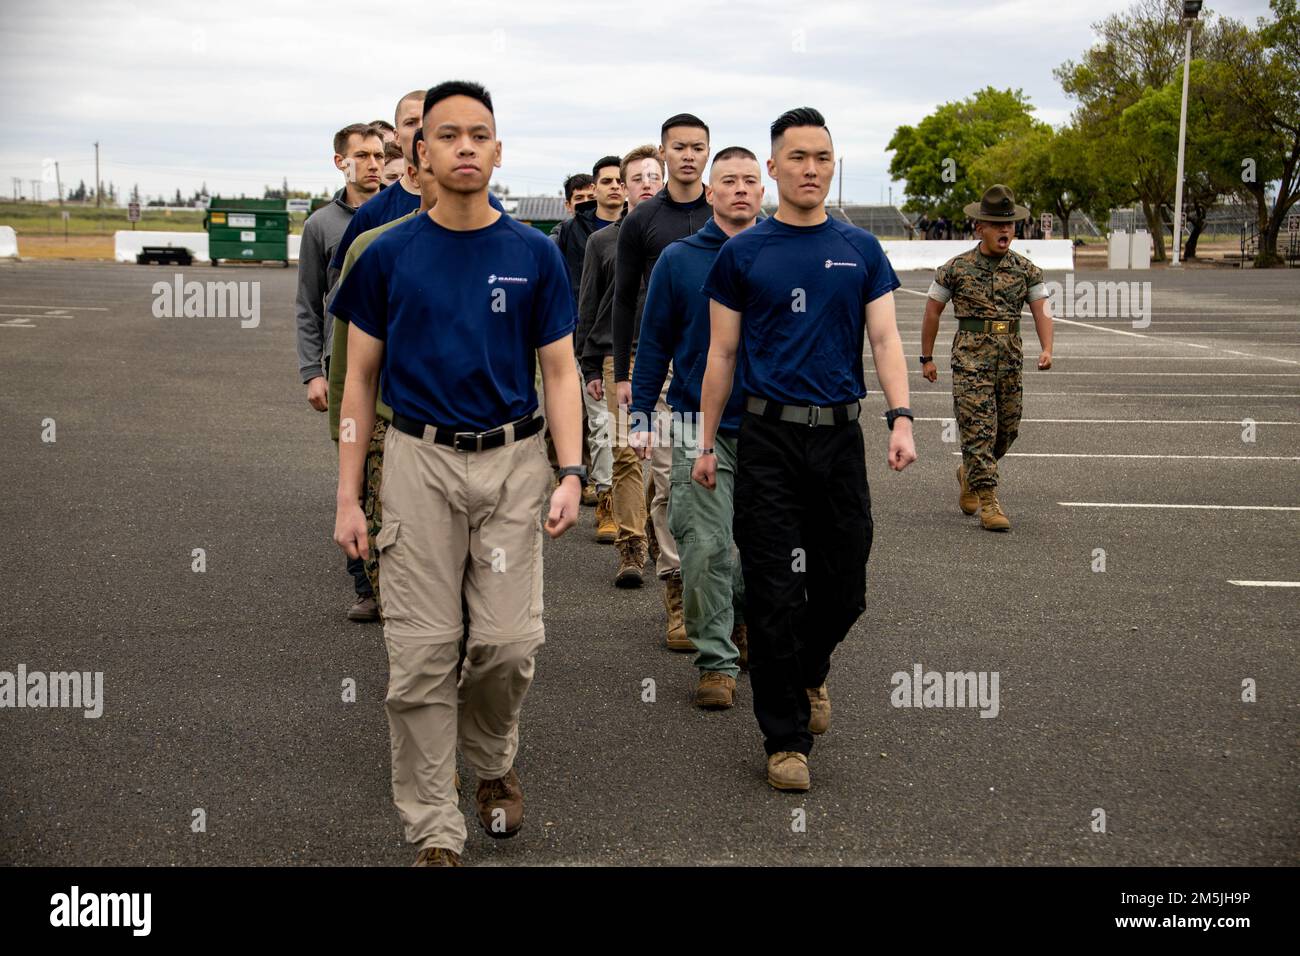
[[36, 190], [58, 182], [18, 186], [98, 190], [1190, 10]]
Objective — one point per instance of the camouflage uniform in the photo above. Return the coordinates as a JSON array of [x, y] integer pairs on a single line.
[[373, 509], [986, 366]]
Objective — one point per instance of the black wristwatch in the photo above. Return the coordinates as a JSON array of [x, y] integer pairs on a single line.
[[894, 414], [926, 358], [579, 470]]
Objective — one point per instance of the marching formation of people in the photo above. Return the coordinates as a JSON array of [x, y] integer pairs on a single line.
[[691, 369]]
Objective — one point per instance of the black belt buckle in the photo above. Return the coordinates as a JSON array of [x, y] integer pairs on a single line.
[[814, 416], [475, 441]]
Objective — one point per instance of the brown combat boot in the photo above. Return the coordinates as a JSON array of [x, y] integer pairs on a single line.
[[968, 501], [365, 609], [437, 856], [992, 517], [631, 559], [788, 770], [740, 637], [819, 721], [606, 527], [716, 691], [500, 805], [589, 495], [677, 639]]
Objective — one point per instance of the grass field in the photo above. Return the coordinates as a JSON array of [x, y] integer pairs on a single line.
[[45, 219]]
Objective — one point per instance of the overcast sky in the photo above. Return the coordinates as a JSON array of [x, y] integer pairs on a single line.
[[242, 94]]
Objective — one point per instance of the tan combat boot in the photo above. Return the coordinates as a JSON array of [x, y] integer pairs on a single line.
[[788, 770], [992, 517], [606, 527], [716, 691], [677, 639], [589, 495], [631, 559], [968, 501], [819, 699]]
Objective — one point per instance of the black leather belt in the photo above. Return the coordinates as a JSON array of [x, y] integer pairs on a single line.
[[810, 415], [470, 441]]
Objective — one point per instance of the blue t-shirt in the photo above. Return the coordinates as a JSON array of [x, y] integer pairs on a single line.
[[385, 206], [802, 292], [388, 205], [461, 314]]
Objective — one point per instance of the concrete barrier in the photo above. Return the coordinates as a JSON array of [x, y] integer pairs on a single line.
[[127, 243], [8, 243], [1047, 254]]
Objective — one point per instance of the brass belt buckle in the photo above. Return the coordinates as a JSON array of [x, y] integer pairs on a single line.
[[1001, 326]]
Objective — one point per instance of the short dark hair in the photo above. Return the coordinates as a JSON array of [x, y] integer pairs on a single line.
[[607, 161], [384, 125], [392, 151], [682, 119], [575, 182], [801, 116], [413, 95], [457, 88], [416, 138], [364, 130], [734, 152]]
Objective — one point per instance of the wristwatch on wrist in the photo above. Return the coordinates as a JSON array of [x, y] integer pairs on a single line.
[[708, 451], [894, 414], [579, 470], [926, 358]]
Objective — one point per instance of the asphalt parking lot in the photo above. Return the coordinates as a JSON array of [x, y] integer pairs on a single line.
[[1173, 448]]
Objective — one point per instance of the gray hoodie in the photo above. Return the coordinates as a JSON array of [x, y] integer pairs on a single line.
[[322, 232]]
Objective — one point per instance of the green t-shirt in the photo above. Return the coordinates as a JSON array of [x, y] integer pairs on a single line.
[[339, 358]]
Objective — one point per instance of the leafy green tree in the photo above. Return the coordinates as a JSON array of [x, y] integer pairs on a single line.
[[936, 156]]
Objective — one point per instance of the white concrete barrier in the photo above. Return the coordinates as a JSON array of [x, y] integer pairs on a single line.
[[127, 243], [8, 243], [1047, 254]]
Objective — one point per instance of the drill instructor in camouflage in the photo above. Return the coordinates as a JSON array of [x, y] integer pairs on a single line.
[[988, 286]]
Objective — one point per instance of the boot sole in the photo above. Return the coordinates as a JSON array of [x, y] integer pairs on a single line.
[[504, 834], [788, 787], [609, 537], [715, 704], [628, 581], [987, 528], [683, 648]]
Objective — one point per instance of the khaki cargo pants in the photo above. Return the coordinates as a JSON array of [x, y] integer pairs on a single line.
[[454, 520]]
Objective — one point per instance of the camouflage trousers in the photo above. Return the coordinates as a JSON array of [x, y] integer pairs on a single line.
[[374, 511], [987, 397]]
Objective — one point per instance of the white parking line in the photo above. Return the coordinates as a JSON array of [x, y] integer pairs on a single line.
[[1266, 584], [75, 308], [1120, 504], [1127, 421], [1139, 335], [1043, 454]]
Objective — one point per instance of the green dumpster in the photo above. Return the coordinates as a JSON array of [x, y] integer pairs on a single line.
[[247, 230]]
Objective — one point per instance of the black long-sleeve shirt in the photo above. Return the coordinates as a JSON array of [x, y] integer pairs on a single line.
[[646, 231]]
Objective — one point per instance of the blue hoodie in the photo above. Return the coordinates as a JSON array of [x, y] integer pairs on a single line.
[[675, 325]]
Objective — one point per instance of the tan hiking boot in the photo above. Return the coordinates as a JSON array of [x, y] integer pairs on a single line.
[[677, 639], [740, 637], [437, 856], [968, 501], [992, 517], [716, 691], [606, 526], [631, 559], [819, 721], [500, 805], [788, 770], [589, 495]]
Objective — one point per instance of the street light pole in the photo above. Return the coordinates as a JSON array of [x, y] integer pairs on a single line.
[[1190, 10]]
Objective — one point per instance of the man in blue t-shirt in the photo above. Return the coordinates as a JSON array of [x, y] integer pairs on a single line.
[[459, 305], [794, 296]]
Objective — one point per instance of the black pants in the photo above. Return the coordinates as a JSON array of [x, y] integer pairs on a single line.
[[803, 527]]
